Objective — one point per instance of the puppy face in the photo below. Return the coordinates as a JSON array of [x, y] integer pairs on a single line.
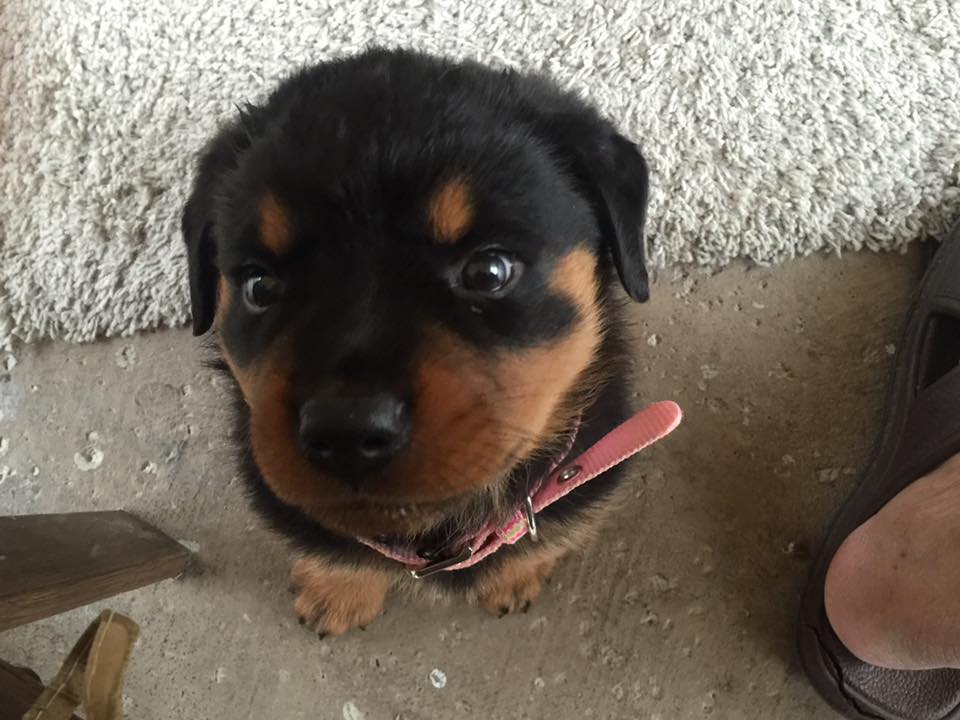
[[406, 262]]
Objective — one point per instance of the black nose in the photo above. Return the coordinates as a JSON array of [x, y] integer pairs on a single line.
[[350, 435]]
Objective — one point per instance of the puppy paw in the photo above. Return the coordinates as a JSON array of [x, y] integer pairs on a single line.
[[332, 600], [516, 584]]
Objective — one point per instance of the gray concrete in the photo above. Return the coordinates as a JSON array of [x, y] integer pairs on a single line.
[[684, 609]]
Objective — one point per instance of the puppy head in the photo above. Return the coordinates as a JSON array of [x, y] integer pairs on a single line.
[[406, 264]]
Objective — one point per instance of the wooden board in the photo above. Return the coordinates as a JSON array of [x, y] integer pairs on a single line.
[[53, 563]]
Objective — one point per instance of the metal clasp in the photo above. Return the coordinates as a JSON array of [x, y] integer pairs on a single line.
[[441, 565], [531, 519]]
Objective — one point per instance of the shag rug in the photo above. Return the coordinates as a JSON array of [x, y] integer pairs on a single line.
[[773, 128]]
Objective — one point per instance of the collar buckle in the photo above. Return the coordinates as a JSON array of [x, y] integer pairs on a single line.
[[531, 519], [441, 565]]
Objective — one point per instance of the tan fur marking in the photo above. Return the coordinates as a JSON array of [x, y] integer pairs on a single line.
[[223, 301], [478, 417], [536, 379], [273, 429], [335, 600], [273, 434], [275, 233], [454, 424], [451, 211]]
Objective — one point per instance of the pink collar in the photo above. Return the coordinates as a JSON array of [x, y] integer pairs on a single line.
[[640, 431]]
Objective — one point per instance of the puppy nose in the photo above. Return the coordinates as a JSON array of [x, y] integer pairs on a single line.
[[351, 435]]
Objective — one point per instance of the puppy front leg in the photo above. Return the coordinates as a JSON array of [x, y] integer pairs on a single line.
[[517, 583], [333, 599]]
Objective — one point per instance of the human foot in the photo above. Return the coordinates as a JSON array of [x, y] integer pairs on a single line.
[[920, 432], [892, 592]]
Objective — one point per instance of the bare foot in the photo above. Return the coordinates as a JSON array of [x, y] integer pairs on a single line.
[[332, 600], [892, 593]]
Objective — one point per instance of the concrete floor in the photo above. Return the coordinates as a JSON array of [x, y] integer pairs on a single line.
[[684, 609]]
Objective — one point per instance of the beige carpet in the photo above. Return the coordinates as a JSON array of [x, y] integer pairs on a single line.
[[773, 128]]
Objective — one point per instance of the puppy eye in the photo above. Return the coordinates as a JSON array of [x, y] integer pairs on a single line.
[[260, 289], [489, 272]]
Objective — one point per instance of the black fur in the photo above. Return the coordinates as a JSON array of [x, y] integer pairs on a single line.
[[353, 147]]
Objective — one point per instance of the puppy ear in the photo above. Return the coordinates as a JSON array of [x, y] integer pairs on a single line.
[[619, 173], [610, 171], [197, 225]]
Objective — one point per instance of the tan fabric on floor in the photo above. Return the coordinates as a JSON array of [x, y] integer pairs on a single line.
[[92, 674]]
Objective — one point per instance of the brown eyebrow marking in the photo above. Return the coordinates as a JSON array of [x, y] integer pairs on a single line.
[[274, 224], [223, 301], [451, 211]]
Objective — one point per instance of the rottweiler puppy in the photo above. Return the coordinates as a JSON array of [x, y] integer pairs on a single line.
[[408, 266]]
